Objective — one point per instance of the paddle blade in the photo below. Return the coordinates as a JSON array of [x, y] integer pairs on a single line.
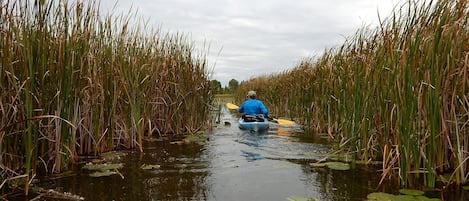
[[232, 106], [285, 122]]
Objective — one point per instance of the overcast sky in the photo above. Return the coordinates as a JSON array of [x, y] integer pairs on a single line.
[[249, 38]]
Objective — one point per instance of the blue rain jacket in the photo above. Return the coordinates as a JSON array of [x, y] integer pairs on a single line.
[[253, 107]]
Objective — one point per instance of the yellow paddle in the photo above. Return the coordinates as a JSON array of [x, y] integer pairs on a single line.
[[232, 106], [284, 122]]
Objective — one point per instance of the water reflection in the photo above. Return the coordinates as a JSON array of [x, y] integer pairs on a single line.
[[183, 173], [284, 132], [182, 176], [233, 165]]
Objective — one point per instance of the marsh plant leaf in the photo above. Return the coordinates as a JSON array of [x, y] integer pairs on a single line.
[[380, 196], [411, 192], [338, 165], [102, 173], [103, 167], [318, 164], [404, 198], [465, 188], [112, 155], [195, 138]]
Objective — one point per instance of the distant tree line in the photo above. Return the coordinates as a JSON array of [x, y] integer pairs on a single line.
[[216, 88]]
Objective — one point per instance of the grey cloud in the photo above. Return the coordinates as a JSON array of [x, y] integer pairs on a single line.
[[262, 36]]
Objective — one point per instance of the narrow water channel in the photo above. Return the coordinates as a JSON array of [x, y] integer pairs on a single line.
[[233, 165]]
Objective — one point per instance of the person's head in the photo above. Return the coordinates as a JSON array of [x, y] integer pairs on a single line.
[[251, 95]]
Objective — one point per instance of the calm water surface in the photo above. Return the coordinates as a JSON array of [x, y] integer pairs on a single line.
[[232, 165]]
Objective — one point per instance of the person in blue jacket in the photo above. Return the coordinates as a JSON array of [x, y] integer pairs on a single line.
[[253, 107]]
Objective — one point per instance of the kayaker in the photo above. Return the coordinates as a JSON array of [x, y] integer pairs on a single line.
[[253, 107]]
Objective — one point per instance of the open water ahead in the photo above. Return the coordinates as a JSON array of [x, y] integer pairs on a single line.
[[233, 165]]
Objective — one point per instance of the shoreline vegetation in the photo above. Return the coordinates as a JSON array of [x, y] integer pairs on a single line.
[[398, 93], [75, 83]]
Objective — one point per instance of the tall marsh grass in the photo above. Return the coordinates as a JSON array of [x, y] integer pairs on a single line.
[[398, 93], [74, 82]]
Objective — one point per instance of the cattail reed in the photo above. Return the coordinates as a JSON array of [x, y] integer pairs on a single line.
[[397, 93], [74, 82]]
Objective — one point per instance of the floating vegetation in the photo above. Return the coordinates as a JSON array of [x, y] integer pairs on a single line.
[[332, 165], [348, 158], [102, 167], [338, 165], [103, 170], [112, 155], [317, 164], [411, 192], [103, 173], [51, 194], [149, 167], [196, 138], [380, 196]]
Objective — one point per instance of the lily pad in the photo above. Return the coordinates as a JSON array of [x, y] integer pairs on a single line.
[[465, 188], [103, 167], [380, 196], [411, 192], [405, 198], [317, 164], [102, 173], [112, 155], [149, 167], [338, 165]]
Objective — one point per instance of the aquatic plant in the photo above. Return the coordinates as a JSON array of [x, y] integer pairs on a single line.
[[334, 165], [75, 82], [396, 93], [413, 196]]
